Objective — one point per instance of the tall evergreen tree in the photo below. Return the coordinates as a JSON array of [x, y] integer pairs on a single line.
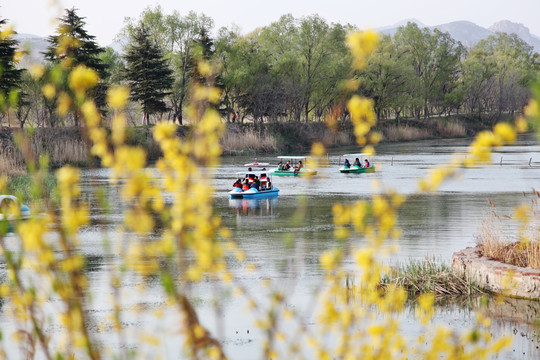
[[82, 50], [74, 44], [206, 50], [10, 76], [148, 73]]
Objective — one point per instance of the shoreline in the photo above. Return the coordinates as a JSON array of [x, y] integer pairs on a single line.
[[496, 276], [67, 145]]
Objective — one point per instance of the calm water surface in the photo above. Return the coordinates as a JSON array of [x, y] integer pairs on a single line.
[[287, 251]]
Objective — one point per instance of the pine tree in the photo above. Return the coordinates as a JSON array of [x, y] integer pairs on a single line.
[[82, 49], [148, 73], [206, 51], [10, 76]]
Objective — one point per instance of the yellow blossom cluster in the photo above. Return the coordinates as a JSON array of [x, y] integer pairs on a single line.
[[362, 44]]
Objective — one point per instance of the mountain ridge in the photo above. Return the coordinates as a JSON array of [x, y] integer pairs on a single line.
[[469, 33]]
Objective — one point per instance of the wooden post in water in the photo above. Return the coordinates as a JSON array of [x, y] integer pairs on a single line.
[[530, 161], [501, 160], [392, 161]]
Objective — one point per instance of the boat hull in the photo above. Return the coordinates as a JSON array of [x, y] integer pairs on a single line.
[[357, 170], [252, 193], [302, 172]]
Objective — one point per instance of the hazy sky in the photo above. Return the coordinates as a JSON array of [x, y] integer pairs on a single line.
[[104, 18]]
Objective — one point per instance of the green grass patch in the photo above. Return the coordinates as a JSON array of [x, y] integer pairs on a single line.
[[430, 276], [26, 189]]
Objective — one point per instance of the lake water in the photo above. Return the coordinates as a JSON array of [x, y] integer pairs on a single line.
[[434, 225]]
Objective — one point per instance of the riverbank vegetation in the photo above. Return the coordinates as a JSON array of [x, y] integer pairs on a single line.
[[523, 251], [431, 276], [189, 245], [67, 145]]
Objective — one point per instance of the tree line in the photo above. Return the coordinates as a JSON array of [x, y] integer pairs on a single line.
[[294, 69]]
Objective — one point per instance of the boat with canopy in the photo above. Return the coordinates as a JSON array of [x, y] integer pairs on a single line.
[[361, 163], [293, 166]]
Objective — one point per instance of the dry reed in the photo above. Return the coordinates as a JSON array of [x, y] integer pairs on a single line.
[[68, 151], [451, 129], [405, 133], [248, 141], [496, 246], [62, 145]]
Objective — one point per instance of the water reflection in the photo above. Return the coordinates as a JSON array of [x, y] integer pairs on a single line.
[[257, 207]]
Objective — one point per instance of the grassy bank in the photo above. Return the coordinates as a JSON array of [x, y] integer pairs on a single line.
[[430, 276]]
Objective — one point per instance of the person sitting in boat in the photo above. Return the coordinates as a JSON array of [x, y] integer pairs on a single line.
[[263, 181], [288, 165], [366, 163], [300, 166], [280, 166], [256, 183], [245, 186], [237, 183], [357, 163], [347, 164]]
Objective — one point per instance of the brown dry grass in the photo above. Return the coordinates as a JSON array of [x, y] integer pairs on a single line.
[[248, 141], [450, 129], [405, 133], [495, 245], [67, 151], [61, 145]]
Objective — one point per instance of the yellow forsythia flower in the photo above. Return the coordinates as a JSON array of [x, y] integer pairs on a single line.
[[505, 132], [82, 78], [117, 97], [48, 90]]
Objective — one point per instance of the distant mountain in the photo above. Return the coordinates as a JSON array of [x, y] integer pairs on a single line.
[[466, 32], [469, 33], [35, 45], [520, 30], [391, 29]]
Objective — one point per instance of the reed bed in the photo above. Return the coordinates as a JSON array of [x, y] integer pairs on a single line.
[[405, 133], [11, 159], [11, 165], [450, 129], [430, 276], [61, 145], [250, 141], [495, 245], [67, 151]]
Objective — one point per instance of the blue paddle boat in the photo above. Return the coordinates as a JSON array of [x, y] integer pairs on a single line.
[[7, 201], [253, 184]]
